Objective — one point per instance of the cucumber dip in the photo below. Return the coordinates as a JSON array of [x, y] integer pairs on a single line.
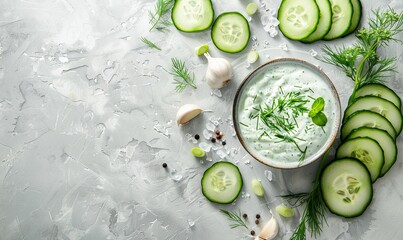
[[274, 113]]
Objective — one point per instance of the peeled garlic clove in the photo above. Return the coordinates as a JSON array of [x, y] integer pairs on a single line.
[[219, 72], [186, 113], [269, 231]]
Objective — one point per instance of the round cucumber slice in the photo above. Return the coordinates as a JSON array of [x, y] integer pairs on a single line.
[[387, 143], [369, 119], [341, 20], [346, 187], [379, 90], [230, 32], [365, 149], [356, 18], [379, 105], [192, 15], [325, 22], [298, 19], [252, 57], [284, 211], [222, 182]]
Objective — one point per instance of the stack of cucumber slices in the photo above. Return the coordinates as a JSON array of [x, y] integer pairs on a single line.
[[230, 31], [371, 124], [312, 20]]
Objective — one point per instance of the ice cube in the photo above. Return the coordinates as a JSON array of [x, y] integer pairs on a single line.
[[217, 92], [274, 33], [274, 21], [205, 146], [206, 134], [210, 127], [268, 174], [221, 154], [313, 53], [264, 19], [188, 136]]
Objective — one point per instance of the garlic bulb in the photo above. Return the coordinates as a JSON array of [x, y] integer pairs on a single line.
[[186, 113], [269, 231], [219, 71]]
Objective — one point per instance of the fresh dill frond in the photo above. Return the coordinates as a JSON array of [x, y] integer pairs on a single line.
[[314, 214], [149, 43], [158, 18], [361, 62], [235, 218], [182, 76]]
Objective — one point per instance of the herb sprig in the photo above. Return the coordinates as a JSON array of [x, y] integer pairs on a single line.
[[158, 18], [149, 43], [361, 62], [235, 218], [182, 75], [314, 214]]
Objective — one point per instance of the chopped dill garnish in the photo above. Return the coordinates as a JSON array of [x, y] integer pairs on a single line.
[[244, 124], [149, 43]]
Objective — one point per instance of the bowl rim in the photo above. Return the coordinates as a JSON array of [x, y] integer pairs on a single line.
[[330, 140]]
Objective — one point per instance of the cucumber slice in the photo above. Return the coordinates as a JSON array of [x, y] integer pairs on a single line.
[[346, 187], [365, 149], [192, 15], [251, 8], [384, 140], [379, 105], [325, 22], [369, 119], [341, 20], [298, 19], [230, 32], [252, 57], [356, 18], [202, 49], [222, 182], [379, 90]]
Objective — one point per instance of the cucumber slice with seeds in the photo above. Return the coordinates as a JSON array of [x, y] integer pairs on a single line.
[[356, 18], [369, 119], [346, 187], [298, 19], [192, 15], [325, 22], [365, 149], [222, 183], [379, 105], [379, 90], [387, 143], [341, 19], [230, 32]]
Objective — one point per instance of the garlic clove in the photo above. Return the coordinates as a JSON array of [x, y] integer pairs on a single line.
[[186, 113], [269, 231]]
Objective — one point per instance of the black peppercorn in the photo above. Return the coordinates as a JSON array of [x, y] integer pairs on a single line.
[[224, 143], [257, 221], [164, 165], [197, 136], [244, 215], [213, 140], [257, 216], [252, 233]]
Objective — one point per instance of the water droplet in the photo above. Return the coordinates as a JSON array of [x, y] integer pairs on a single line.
[[191, 223], [284, 46]]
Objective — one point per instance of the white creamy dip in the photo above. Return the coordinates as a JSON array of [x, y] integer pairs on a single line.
[[273, 82]]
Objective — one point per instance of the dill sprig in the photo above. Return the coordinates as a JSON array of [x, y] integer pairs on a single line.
[[360, 62], [235, 218], [158, 18], [183, 77], [314, 214], [149, 43]]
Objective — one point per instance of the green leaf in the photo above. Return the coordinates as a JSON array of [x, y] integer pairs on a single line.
[[320, 119], [317, 106]]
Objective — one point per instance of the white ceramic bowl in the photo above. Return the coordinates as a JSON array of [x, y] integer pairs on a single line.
[[335, 121]]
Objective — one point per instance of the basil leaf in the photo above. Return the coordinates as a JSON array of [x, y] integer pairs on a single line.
[[320, 119], [317, 106]]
